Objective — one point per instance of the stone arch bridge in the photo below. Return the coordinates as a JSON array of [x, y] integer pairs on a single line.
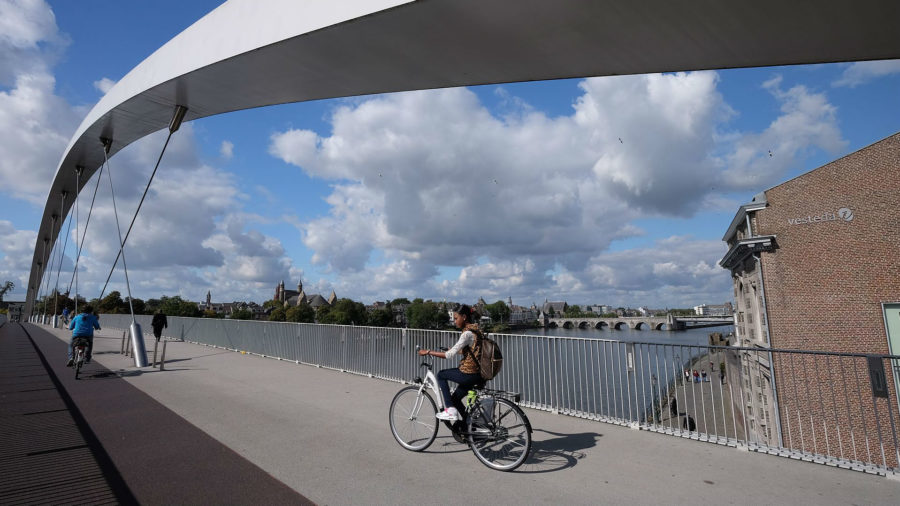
[[668, 322]]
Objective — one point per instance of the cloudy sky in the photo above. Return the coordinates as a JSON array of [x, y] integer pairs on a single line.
[[612, 190]]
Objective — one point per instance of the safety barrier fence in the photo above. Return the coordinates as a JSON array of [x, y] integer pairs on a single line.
[[838, 409]]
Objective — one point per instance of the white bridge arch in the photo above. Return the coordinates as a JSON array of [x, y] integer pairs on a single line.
[[253, 53]]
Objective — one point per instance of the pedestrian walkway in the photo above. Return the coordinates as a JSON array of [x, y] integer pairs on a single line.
[[101, 441], [324, 434]]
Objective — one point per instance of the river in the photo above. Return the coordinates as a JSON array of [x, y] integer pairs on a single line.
[[602, 372]]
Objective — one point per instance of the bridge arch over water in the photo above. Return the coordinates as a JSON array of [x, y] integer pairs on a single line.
[[668, 322], [298, 51]]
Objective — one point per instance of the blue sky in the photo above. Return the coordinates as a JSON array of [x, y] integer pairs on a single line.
[[603, 190]]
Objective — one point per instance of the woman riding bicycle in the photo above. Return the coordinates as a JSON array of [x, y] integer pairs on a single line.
[[468, 374], [82, 326]]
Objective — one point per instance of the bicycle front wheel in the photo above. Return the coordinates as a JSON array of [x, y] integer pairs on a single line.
[[412, 418], [504, 442]]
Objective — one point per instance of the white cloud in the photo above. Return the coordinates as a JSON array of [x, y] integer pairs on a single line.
[[189, 237], [104, 85], [757, 161], [677, 270], [431, 179], [226, 150], [35, 123], [863, 72], [29, 39], [178, 245], [16, 250]]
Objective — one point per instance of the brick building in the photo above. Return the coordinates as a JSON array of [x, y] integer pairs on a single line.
[[816, 266]]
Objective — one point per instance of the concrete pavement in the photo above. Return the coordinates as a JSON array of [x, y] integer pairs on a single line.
[[325, 435]]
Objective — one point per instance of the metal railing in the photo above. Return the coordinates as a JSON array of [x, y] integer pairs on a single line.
[[837, 409]]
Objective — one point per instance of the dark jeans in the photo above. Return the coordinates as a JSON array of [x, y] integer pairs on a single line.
[[90, 348], [464, 382]]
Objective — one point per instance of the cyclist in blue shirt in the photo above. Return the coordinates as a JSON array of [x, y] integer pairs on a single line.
[[83, 326]]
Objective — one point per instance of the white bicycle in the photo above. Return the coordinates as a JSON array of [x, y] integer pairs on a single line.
[[495, 428]]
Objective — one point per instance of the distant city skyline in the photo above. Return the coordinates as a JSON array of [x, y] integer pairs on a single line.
[[612, 190]]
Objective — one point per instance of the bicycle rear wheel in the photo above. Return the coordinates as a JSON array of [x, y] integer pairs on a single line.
[[412, 418], [504, 443], [79, 360]]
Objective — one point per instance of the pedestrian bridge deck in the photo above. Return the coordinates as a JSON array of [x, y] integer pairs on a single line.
[[222, 427]]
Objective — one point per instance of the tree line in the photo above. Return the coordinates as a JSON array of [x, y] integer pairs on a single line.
[[417, 314]]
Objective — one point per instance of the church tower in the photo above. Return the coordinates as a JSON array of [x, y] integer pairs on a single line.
[[208, 300]]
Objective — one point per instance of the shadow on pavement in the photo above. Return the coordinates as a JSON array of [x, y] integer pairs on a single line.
[[560, 452]]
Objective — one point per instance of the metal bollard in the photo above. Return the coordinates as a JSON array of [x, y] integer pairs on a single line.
[[155, 346], [162, 360], [122, 348]]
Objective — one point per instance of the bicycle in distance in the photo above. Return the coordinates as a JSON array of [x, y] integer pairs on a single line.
[[79, 346], [494, 427]]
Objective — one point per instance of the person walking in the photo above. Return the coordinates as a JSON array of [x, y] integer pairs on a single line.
[[159, 323], [65, 316], [722, 374], [82, 326]]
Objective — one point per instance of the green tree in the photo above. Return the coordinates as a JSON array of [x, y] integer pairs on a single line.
[[381, 317], [498, 311], [7, 286], [401, 300], [176, 306], [573, 311], [345, 312], [301, 313], [425, 315], [112, 304], [242, 314], [273, 304], [277, 315], [209, 313], [151, 305], [137, 304]]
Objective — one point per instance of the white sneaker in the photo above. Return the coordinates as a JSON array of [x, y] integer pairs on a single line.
[[449, 414]]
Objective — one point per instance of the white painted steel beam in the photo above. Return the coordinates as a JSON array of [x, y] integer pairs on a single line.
[[253, 53]]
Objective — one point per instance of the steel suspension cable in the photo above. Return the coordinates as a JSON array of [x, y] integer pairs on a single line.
[[177, 118], [63, 252], [43, 274], [52, 261], [118, 229], [78, 171], [87, 223], [48, 267]]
